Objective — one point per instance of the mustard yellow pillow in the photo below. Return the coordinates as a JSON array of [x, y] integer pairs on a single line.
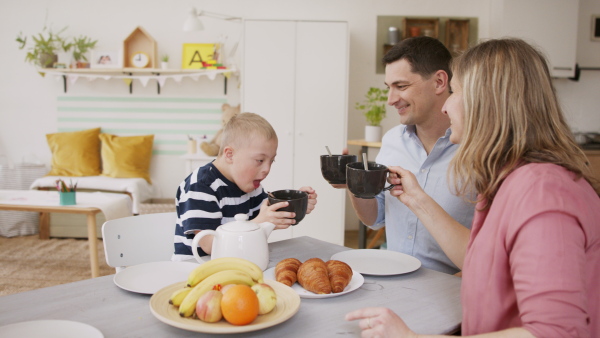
[[75, 153], [126, 156]]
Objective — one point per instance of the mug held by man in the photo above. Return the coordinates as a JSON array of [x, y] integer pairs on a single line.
[[366, 183], [333, 167]]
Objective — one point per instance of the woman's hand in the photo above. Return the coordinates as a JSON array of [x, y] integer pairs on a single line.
[[312, 198], [380, 322], [407, 187]]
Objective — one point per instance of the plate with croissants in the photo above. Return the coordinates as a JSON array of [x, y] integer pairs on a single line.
[[315, 278]]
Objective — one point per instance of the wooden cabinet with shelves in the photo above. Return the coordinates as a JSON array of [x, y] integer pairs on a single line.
[[457, 33]]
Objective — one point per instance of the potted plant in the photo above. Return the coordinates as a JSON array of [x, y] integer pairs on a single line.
[[81, 46], [45, 46], [164, 61], [374, 109]]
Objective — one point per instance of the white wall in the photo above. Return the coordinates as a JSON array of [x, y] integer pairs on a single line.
[[28, 101]]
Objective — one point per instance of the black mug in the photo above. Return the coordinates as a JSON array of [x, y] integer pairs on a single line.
[[366, 183], [333, 167], [298, 202]]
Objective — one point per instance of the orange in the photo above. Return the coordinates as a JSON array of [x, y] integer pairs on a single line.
[[240, 305]]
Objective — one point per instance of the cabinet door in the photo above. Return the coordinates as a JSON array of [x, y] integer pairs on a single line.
[[549, 24], [320, 120], [295, 74], [268, 80]]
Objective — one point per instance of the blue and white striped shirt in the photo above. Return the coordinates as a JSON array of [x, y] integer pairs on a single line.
[[205, 200]]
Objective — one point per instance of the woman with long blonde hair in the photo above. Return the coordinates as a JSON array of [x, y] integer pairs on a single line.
[[531, 261]]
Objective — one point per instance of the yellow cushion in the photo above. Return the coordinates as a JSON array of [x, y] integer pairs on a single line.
[[126, 156], [75, 153]]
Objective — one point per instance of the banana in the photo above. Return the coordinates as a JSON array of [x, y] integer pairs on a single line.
[[178, 296], [225, 263], [188, 305]]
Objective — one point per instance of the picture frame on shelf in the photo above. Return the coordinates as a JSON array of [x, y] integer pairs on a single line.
[[105, 59], [595, 35], [201, 56]]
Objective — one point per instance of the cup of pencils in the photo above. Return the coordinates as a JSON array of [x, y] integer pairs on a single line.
[[66, 192]]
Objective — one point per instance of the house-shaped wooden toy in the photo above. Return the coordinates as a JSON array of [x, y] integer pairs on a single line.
[[139, 50]]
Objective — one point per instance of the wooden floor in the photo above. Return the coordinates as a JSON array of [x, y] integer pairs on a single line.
[[351, 239]]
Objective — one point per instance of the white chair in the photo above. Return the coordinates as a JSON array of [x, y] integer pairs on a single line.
[[139, 239]]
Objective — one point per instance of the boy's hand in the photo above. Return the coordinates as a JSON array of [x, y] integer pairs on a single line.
[[269, 213], [312, 198]]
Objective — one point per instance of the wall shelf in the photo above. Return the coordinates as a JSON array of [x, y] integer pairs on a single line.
[[142, 74], [457, 33]]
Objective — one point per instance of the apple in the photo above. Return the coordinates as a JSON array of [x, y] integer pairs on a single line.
[[266, 297], [208, 307]]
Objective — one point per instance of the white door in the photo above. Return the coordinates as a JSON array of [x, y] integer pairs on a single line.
[[321, 120], [268, 80], [295, 74]]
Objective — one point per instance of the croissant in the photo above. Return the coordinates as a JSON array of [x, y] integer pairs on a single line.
[[339, 274], [312, 275], [286, 271]]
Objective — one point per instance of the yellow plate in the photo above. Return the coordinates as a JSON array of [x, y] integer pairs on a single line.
[[288, 303]]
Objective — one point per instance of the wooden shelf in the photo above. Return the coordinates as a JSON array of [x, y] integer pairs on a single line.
[[130, 73]]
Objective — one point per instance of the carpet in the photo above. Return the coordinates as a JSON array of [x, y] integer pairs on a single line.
[[28, 263]]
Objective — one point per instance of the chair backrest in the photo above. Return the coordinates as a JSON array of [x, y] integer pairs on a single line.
[[139, 239]]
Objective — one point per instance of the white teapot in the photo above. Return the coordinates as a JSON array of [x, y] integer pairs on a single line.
[[240, 238]]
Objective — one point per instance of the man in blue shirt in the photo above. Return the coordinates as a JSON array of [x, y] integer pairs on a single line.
[[418, 76]]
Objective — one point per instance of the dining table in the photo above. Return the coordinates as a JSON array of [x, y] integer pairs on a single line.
[[427, 300]]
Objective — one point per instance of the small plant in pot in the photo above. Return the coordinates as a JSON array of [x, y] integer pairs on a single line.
[[81, 46], [374, 109], [164, 61], [45, 46]]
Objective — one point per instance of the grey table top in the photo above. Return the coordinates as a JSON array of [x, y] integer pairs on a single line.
[[427, 300]]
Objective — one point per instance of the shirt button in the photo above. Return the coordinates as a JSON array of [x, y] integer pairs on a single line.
[[410, 237], [423, 170]]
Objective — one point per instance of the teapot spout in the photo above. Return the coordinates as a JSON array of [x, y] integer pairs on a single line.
[[267, 227]]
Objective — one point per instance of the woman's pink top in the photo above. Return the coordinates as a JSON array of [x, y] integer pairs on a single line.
[[533, 259]]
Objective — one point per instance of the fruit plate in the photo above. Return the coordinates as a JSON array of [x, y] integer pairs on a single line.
[[288, 303], [356, 282]]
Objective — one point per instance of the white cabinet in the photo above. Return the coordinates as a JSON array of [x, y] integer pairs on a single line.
[[295, 74], [549, 24]]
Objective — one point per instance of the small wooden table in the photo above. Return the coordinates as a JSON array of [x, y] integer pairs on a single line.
[[362, 229], [44, 209]]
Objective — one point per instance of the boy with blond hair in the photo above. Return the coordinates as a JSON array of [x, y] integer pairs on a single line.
[[213, 194]]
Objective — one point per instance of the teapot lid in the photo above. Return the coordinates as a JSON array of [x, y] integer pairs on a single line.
[[241, 224]]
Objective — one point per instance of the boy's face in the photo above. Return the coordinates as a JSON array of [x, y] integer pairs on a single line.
[[251, 162]]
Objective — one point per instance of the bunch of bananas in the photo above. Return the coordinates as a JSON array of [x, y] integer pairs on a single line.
[[219, 271]]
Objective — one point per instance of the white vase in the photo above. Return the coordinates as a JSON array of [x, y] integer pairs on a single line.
[[164, 65], [372, 133]]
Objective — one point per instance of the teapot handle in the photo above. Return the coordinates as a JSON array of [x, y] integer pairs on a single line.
[[196, 240]]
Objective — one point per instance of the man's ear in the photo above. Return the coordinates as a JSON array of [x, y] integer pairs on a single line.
[[441, 82]]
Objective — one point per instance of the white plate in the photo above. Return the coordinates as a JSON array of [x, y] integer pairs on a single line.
[[378, 262], [356, 281], [50, 329], [150, 277]]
